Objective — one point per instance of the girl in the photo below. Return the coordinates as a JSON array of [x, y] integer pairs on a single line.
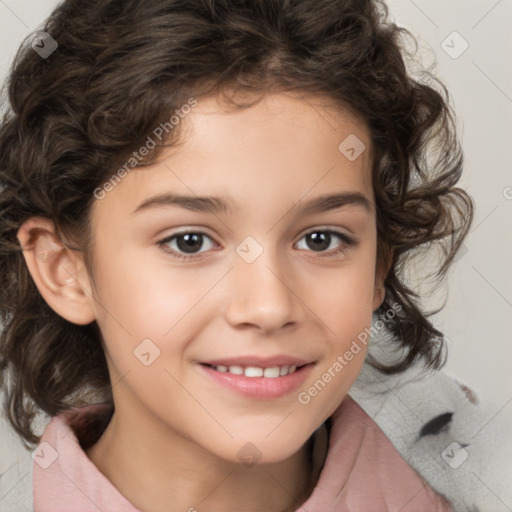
[[203, 203]]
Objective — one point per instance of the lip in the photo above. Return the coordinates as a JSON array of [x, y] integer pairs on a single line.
[[260, 388], [262, 362]]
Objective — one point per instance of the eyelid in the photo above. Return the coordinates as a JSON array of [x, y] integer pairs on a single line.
[[347, 241], [162, 243], [329, 229]]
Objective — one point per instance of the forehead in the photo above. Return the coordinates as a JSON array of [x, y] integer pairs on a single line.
[[281, 148], [297, 118], [238, 105]]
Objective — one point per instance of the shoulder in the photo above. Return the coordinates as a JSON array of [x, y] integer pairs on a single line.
[[360, 452], [363, 471], [63, 474], [440, 427], [63, 438]]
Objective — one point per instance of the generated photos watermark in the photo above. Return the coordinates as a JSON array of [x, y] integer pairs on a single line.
[[305, 396]]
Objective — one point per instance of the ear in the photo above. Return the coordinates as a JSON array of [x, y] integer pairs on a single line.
[[58, 272], [379, 293], [382, 267]]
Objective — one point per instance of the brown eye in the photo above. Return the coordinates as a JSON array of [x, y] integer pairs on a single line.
[[190, 242], [326, 241], [318, 241]]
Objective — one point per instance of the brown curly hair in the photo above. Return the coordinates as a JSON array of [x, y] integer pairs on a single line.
[[123, 66]]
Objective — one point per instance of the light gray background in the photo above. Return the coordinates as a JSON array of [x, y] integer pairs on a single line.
[[478, 315]]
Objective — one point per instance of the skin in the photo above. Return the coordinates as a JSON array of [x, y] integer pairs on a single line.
[[175, 433]]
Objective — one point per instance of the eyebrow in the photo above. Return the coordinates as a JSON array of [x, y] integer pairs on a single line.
[[216, 205]]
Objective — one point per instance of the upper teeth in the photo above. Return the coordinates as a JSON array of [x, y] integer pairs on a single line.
[[256, 371]]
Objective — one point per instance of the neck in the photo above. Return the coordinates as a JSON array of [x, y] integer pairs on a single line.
[[153, 470]]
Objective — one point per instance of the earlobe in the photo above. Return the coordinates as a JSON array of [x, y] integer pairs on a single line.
[[378, 296], [58, 272], [382, 268], [379, 292]]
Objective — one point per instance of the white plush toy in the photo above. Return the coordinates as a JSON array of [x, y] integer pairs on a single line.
[[462, 447]]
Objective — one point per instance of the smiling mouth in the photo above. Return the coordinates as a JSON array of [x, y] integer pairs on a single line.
[[257, 371], [276, 377]]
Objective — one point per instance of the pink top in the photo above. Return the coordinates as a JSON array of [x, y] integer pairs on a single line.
[[363, 472]]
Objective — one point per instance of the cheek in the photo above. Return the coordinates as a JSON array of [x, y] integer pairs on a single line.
[[344, 301], [346, 310], [345, 296], [147, 299]]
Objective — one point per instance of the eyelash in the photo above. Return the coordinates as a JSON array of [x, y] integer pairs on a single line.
[[346, 242]]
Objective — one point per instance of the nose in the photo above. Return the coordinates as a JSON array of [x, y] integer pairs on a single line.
[[262, 295]]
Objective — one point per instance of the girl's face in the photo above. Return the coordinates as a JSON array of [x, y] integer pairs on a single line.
[[277, 272]]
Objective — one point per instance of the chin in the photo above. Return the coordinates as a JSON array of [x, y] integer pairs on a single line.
[[263, 450]]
